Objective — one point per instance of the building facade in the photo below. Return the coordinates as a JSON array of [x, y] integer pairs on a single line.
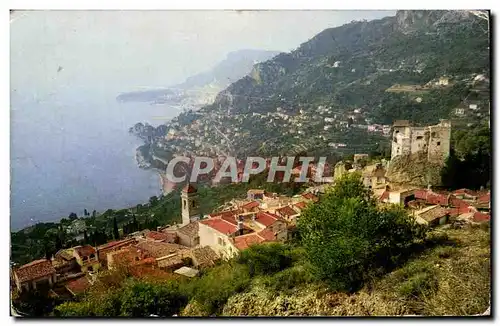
[[190, 205], [432, 140]]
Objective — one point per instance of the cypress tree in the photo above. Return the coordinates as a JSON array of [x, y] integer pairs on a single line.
[[116, 235]]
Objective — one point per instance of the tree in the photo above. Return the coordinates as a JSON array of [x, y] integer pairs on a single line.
[[153, 201], [346, 236], [266, 258], [116, 234], [469, 163], [72, 216], [85, 237]]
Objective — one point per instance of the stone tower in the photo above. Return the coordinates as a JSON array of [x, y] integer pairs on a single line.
[[190, 204]]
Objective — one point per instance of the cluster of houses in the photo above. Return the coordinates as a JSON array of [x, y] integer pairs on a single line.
[[432, 208], [183, 249]]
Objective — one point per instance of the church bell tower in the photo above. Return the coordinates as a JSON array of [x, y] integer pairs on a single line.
[[190, 204]]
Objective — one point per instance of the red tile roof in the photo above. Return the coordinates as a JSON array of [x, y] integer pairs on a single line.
[[310, 197], [267, 235], [464, 191], [190, 229], [154, 235], [437, 199], [117, 243], [229, 218], [78, 285], [420, 193], [481, 217], [85, 250], [189, 188], [266, 218], [287, 211], [300, 205], [251, 205], [242, 242], [204, 256], [220, 225], [456, 202], [36, 269], [484, 198], [145, 261], [225, 213]]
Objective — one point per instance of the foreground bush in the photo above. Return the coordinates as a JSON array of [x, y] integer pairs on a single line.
[[347, 237], [266, 258], [134, 299], [211, 291]]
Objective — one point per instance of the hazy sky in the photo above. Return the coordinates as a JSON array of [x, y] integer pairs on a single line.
[[124, 50]]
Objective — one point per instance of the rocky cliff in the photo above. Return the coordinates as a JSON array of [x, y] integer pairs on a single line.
[[414, 170]]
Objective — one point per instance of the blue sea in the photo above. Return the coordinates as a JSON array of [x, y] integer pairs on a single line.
[[71, 151]]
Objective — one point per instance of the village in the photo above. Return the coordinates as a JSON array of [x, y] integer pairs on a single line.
[[199, 242]]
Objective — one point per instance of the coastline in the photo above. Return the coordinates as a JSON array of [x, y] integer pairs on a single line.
[[165, 185]]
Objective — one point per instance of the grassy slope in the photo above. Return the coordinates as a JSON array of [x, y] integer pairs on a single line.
[[450, 278]]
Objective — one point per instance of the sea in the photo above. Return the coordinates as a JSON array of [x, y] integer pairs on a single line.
[[72, 151]]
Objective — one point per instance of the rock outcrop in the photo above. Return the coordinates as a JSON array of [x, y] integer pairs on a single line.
[[414, 170]]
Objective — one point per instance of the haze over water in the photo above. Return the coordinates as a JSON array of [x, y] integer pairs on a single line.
[[63, 161]]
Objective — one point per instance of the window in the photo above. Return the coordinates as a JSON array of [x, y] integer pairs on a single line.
[[419, 137], [438, 143], [192, 203], [397, 131], [196, 241], [92, 256], [136, 258], [184, 203], [219, 241], [85, 258], [90, 269]]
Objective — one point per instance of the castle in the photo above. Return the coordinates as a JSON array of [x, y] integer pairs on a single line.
[[432, 140]]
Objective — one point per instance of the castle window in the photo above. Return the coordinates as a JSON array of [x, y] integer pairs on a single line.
[[192, 203], [92, 256], [184, 202], [397, 131], [196, 241], [438, 143], [420, 137]]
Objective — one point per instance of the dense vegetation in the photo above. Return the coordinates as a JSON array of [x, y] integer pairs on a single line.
[[346, 244], [469, 163]]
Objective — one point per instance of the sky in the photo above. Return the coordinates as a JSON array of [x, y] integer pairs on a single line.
[[127, 50]]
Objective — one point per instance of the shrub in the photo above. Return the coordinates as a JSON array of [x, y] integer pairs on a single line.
[[347, 237], [289, 278], [266, 258], [212, 290], [141, 299], [445, 252], [418, 285]]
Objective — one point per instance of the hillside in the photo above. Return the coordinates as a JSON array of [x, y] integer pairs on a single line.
[[452, 278], [352, 64], [339, 92], [201, 88]]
